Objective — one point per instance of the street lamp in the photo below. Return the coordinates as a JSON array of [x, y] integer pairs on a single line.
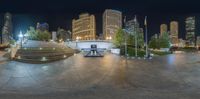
[[146, 37], [125, 38], [26, 37], [70, 33], [21, 37], [110, 38], [77, 38]]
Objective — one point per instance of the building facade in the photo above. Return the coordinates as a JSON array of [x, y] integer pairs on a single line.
[[133, 28], [163, 29], [174, 29], [54, 36], [42, 26], [190, 31], [112, 21], [198, 41], [84, 28], [181, 43]]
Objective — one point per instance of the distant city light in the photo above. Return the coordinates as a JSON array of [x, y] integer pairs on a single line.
[[109, 38], [26, 35], [20, 34]]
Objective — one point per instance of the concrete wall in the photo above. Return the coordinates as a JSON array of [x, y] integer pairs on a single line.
[[87, 44], [13, 50]]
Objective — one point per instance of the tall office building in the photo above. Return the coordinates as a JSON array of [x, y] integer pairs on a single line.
[[190, 31], [163, 29], [134, 26], [134, 29], [112, 21], [84, 28], [174, 33], [42, 26]]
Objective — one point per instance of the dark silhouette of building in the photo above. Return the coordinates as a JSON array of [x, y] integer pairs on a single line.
[[42, 26], [7, 29]]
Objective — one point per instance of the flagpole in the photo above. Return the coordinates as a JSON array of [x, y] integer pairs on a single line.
[[135, 20], [125, 38], [146, 37]]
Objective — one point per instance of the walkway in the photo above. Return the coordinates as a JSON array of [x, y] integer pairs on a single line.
[[110, 77]]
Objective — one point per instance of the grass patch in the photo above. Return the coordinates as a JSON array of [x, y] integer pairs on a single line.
[[131, 52], [187, 49]]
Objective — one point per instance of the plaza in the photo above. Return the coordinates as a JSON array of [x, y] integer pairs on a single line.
[[174, 76]]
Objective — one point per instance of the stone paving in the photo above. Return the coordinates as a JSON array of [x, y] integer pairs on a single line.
[[174, 76]]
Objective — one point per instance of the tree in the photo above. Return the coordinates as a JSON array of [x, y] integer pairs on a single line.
[[119, 38], [139, 37], [164, 41], [43, 35], [161, 42], [153, 43], [38, 35], [63, 34], [130, 40], [32, 33]]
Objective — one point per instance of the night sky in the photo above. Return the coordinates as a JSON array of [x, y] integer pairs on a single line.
[[59, 13]]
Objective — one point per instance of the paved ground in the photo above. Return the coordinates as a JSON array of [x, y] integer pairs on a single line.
[[110, 77]]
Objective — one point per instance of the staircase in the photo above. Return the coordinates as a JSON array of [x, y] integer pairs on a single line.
[[42, 55]]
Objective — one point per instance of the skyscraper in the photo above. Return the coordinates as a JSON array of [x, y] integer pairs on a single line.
[[42, 26], [112, 21], [190, 31], [163, 29], [84, 28], [134, 29], [133, 26], [174, 29]]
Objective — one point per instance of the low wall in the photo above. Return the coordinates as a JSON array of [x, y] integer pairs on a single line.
[[87, 44]]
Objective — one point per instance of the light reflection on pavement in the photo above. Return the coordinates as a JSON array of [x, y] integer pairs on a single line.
[[173, 76]]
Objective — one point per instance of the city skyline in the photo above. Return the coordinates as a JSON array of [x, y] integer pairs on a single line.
[[23, 21], [99, 49], [61, 16]]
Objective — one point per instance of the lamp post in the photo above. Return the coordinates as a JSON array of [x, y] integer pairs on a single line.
[[26, 37], [125, 41], [125, 38], [21, 37], [77, 38], [70, 33], [146, 37]]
